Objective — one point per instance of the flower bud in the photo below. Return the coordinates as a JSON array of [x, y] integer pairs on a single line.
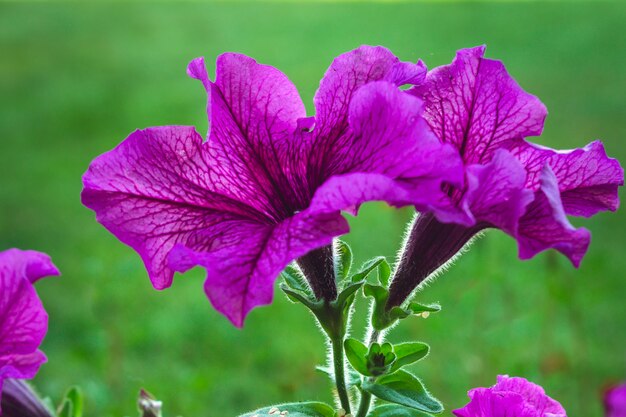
[[19, 400]]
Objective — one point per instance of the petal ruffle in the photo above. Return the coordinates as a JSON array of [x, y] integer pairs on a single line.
[[351, 70], [545, 225], [477, 106], [254, 111], [496, 193], [534, 395], [23, 320], [154, 191], [241, 272], [388, 154], [30, 264], [486, 403], [588, 179]]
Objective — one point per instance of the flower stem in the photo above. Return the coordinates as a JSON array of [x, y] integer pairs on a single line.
[[340, 378], [364, 405]]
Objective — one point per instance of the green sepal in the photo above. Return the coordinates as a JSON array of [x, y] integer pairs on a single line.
[[380, 358], [394, 410], [380, 319], [417, 308], [405, 389], [357, 354], [367, 267], [294, 279], [384, 273], [408, 353], [342, 261], [304, 409], [298, 296], [72, 403]]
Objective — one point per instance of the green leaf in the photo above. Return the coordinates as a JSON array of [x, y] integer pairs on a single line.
[[299, 297], [417, 308], [342, 260], [366, 268], [405, 389], [305, 409], [394, 410], [295, 280], [72, 403], [384, 273], [407, 353], [346, 297], [356, 352]]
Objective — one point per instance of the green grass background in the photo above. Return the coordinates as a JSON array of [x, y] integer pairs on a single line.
[[76, 78]]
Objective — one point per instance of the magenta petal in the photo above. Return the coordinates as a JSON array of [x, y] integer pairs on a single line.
[[23, 320], [153, 191], [510, 397], [347, 73], [477, 106], [588, 179], [485, 403], [29, 263], [534, 395], [496, 193], [242, 271], [254, 112], [387, 154], [545, 225]]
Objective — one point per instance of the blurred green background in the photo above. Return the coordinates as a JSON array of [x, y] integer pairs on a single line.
[[76, 78]]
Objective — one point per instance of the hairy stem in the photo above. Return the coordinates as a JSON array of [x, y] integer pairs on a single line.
[[340, 377], [364, 405]]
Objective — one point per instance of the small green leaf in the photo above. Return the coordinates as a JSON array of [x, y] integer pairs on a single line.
[[345, 297], [394, 410], [66, 409], [356, 352], [417, 308], [72, 403], [304, 409], [405, 389], [407, 353], [295, 280], [384, 273], [342, 260], [366, 268]]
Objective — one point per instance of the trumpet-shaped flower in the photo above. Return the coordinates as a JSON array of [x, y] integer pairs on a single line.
[[511, 397], [268, 184], [23, 320], [522, 188]]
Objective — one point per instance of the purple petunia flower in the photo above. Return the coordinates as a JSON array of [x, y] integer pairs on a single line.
[[615, 401], [510, 397], [23, 320], [268, 185], [524, 189], [18, 399]]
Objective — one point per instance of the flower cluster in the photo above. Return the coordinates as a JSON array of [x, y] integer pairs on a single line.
[[268, 185], [23, 320]]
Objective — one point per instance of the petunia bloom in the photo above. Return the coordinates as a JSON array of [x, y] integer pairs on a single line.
[[615, 401], [522, 188], [511, 397], [23, 320], [267, 186]]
